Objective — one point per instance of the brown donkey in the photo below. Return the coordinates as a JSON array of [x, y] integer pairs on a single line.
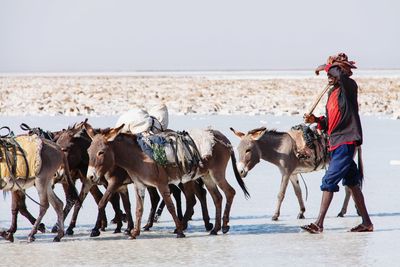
[[111, 148], [74, 142]]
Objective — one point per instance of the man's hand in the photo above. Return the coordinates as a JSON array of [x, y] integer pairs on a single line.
[[319, 68], [309, 118]]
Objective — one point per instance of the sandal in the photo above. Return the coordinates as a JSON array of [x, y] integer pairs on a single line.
[[362, 228], [312, 228]]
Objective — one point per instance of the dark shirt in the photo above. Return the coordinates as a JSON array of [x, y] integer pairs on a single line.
[[342, 120]]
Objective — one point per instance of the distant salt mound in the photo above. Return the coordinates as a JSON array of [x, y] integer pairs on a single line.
[[140, 120]]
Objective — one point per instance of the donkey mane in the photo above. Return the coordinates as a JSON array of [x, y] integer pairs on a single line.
[[269, 131], [275, 132], [102, 131], [130, 136]]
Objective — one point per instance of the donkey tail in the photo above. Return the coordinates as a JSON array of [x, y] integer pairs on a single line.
[[238, 177], [360, 164], [72, 192]]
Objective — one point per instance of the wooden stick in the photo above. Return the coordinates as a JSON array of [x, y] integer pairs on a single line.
[[318, 99]]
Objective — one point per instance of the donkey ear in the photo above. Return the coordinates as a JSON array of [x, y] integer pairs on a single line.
[[110, 136], [256, 134], [89, 130], [237, 133]]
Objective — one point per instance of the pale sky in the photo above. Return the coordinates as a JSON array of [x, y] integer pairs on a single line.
[[117, 35]]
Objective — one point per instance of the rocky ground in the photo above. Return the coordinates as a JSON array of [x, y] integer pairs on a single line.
[[183, 94]]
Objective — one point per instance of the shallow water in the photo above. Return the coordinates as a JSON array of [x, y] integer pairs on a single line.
[[254, 239]]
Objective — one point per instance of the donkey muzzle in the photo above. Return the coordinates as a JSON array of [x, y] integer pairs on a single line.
[[92, 174], [242, 169]]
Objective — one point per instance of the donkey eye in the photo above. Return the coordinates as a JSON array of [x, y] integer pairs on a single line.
[[100, 153], [248, 150]]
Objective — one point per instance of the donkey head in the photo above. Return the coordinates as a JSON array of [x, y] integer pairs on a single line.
[[101, 153], [74, 142], [249, 151]]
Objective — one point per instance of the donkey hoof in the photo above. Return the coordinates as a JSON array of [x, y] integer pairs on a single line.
[[57, 239], [131, 237], [275, 218], [180, 235], [3, 234], [214, 232], [225, 229], [117, 231], [54, 229], [31, 239], [301, 216], [209, 226], [127, 231], [146, 227], [69, 231], [94, 233], [9, 236], [42, 228], [103, 229]]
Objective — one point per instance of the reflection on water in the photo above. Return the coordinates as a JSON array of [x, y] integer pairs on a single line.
[[255, 242]]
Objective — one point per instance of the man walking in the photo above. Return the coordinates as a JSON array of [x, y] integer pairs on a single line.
[[343, 126]]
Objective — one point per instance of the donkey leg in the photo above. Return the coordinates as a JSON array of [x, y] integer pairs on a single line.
[[68, 206], [78, 204], [201, 194], [176, 192], [219, 178], [41, 187], [217, 198], [112, 186], [346, 200], [294, 179], [98, 195], [190, 202], [58, 207], [14, 211], [166, 195], [140, 193], [127, 207], [24, 211], [9, 234], [159, 211], [115, 202], [154, 199], [281, 196]]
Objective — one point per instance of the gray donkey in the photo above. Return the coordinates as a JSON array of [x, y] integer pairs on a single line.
[[279, 148]]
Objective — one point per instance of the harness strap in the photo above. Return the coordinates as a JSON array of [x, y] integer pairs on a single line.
[[38, 131], [153, 119]]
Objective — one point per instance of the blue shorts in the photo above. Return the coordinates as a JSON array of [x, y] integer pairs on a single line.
[[341, 167]]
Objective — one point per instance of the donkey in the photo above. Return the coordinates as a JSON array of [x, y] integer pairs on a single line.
[[74, 142], [74, 158], [112, 148], [278, 148], [52, 159]]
